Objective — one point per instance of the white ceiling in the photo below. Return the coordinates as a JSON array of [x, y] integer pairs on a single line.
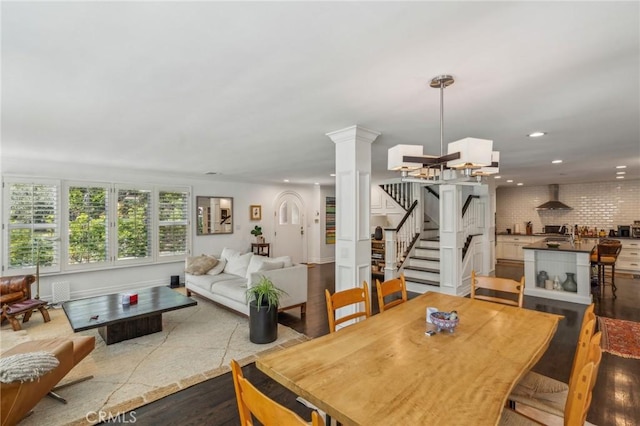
[[249, 90]]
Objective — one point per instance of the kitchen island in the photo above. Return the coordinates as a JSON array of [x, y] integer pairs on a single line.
[[572, 258]]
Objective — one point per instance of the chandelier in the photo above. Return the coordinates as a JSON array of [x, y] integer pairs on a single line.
[[465, 159]]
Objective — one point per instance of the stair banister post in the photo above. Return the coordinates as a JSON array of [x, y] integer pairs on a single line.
[[390, 254]]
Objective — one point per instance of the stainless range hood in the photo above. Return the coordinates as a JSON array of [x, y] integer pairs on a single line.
[[553, 204]]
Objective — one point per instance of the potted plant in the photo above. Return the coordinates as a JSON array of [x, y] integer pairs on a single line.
[[264, 298], [257, 231]]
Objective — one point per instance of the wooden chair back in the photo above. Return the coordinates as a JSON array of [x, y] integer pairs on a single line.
[[267, 411], [608, 251], [581, 389], [503, 285], [340, 299], [582, 350], [391, 287]]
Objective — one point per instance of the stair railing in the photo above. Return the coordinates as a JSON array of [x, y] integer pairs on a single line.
[[472, 220], [401, 192], [404, 236]]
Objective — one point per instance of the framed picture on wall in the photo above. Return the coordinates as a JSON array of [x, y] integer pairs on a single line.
[[255, 212]]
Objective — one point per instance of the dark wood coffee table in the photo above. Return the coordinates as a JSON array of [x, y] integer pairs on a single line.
[[117, 322]]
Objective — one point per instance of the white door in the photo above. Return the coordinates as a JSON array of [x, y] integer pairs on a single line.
[[289, 228]]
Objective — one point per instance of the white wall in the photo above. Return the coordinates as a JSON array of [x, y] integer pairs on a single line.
[[601, 204], [85, 284]]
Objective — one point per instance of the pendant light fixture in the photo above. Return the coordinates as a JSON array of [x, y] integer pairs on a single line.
[[470, 156]]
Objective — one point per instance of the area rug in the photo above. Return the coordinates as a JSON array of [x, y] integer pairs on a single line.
[[620, 337], [196, 344]]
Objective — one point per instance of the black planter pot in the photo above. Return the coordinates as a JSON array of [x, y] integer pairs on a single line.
[[263, 323]]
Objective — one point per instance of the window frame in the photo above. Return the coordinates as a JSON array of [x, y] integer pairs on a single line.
[[62, 226], [6, 225]]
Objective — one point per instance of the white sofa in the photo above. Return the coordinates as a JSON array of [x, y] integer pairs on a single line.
[[228, 286]]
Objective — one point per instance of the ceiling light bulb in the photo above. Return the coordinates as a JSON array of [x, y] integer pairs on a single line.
[[509, 180], [536, 134], [556, 161], [619, 177], [286, 180], [497, 177], [316, 183], [332, 175], [621, 167], [520, 183], [621, 173]]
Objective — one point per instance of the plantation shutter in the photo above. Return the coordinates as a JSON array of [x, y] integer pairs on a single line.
[[33, 235], [134, 224], [88, 224], [173, 213]]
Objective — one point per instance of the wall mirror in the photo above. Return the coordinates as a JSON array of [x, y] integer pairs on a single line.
[[214, 215]]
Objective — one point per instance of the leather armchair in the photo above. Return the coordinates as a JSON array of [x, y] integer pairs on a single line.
[[14, 289], [18, 398]]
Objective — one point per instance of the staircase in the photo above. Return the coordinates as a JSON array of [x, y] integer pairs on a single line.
[[422, 268]]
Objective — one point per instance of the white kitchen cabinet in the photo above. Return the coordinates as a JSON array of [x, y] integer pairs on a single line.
[[510, 246], [629, 257]]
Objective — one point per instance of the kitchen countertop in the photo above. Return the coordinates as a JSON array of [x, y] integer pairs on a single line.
[[582, 247]]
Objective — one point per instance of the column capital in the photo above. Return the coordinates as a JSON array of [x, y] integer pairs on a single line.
[[353, 133]]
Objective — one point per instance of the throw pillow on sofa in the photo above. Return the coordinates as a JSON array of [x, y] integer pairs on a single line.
[[218, 268], [229, 253], [261, 263], [288, 263], [200, 265], [238, 265]]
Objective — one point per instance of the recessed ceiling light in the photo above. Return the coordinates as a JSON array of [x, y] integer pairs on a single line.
[[497, 177], [536, 134], [520, 183], [621, 167], [316, 183], [619, 177], [556, 161], [332, 175], [621, 173], [286, 180], [509, 180]]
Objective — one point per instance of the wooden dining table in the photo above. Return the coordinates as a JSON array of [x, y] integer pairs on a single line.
[[386, 371]]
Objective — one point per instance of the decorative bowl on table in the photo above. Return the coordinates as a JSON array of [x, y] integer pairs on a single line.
[[445, 320], [553, 245]]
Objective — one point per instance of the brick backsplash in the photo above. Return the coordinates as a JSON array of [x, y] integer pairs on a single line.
[[604, 205]]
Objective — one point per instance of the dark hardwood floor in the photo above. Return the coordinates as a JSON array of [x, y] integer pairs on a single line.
[[614, 398]]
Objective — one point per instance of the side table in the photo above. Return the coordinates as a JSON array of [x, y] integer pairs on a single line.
[[261, 249]]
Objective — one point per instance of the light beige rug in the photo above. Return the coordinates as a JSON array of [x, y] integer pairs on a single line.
[[196, 344]]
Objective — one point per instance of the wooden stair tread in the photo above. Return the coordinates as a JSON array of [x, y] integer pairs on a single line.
[[421, 269], [435, 259], [421, 281]]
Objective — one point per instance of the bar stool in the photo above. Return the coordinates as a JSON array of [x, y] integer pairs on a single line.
[[605, 255]]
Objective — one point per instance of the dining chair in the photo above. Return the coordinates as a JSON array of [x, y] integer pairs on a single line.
[[389, 288], [340, 299], [253, 402], [502, 285], [549, 395], [579, 395]]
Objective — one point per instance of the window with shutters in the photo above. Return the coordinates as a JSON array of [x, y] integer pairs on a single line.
[[133, 224], [103, 225], [88, 207], [32, 226], [173, 214]]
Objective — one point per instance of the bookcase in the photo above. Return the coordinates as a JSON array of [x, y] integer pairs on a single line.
[[377, 259]]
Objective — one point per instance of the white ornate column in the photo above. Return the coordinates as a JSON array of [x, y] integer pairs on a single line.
[[353, 193]]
